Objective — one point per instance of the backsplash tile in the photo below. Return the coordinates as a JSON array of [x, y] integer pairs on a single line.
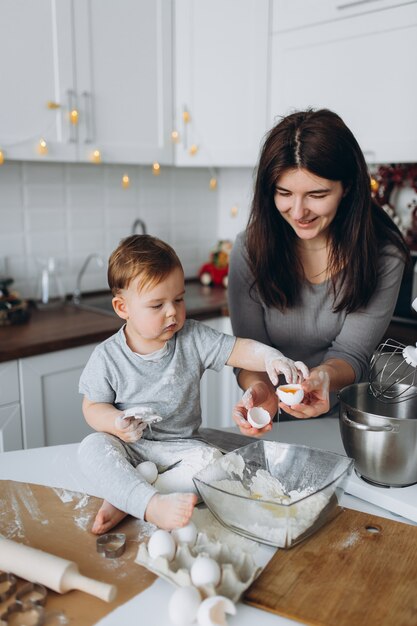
[[71, 210]]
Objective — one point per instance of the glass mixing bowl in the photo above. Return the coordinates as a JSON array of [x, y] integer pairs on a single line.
[[274, 493]]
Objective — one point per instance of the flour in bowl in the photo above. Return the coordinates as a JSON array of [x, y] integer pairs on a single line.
[[266, 509]]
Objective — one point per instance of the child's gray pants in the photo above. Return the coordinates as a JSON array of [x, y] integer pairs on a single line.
[[110, 465]]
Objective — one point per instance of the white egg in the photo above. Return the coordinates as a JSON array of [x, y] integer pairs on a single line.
[[148, 470], [186, 534], [212, 611], [258, 417], [183, 605], [161, 544], [205, 571], [290, 394]]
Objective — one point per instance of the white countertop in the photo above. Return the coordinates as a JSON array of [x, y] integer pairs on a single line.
[[35, 466]]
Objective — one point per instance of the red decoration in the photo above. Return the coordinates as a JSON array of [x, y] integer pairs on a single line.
[[216, 270], [397, 175]]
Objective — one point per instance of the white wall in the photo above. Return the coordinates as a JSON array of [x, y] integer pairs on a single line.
[[68, 211]]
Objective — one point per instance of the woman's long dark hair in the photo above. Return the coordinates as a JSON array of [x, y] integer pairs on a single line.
[[320, 142]]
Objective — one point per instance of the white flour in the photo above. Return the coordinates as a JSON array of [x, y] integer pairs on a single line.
[[258, 514], [64, 495], [179, 478], [207, 523]]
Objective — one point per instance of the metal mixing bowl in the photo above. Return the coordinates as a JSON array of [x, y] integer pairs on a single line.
[[380, 437]]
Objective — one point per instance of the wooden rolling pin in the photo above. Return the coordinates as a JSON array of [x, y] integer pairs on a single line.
[[49, 570]]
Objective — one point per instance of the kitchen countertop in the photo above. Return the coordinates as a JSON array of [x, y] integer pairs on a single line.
[[56, 466], [66, 327], [69, 327]]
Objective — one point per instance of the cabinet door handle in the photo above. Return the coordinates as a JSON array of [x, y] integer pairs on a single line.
[[89, 116], [354, 3]]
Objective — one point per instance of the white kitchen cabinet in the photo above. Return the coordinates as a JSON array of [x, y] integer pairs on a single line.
[[36, 68], [51, 404], [123, 63], [358, 66], [109, 62], [10, 419], [221, 73], [219, 390]]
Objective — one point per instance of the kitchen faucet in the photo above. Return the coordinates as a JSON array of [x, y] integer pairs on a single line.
[[141, 223], [76, 294]]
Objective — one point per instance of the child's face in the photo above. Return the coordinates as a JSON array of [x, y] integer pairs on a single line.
[[153, 315]]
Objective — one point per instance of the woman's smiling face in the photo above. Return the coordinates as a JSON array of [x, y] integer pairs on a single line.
[[307, 202]]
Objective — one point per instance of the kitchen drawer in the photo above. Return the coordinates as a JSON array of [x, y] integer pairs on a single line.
[[302, 13], [9, 382]]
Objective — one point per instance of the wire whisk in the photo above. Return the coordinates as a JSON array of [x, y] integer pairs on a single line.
[[393, 372]]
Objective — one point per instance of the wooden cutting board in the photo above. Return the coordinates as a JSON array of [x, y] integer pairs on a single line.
[[357, 570]]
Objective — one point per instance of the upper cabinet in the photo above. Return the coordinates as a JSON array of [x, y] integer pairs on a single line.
[[100, 80], [92, 78], [124, 89], [352, 57], [37, 80], [221, 80]]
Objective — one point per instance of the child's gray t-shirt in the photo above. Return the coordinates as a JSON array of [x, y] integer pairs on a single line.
[[170, 385]]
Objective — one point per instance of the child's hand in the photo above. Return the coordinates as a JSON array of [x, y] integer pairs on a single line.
[[276, 363], [128, 429]]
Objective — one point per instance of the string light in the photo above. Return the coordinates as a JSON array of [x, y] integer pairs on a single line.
[[186, 117], [125, 181], [95, 156], [175, 136], [73, 117], [42, 147], [156, 169], [1, 157], [374, 185], [193, 149], [234, 210], [213, 183]]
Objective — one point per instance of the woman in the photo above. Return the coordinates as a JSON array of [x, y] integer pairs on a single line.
[[318, 270]]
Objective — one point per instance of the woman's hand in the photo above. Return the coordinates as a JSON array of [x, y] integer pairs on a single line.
[[316, 399], [258, 394], [128, 429]]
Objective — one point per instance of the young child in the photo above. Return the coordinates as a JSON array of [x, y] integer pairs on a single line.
[[154, 363]]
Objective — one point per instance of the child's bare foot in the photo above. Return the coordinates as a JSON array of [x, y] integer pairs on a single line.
[[172, 510], [107, 517]]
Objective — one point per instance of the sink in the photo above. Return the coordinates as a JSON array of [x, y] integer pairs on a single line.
[[98, 304], [201, 302]]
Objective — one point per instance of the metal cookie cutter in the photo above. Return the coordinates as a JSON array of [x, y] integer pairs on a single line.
[[111, 545], [31, 594], [7, 578], [37, 613]]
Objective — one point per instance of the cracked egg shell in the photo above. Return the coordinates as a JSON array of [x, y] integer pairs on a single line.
[[212, 611], [258, 417], [290, 394]]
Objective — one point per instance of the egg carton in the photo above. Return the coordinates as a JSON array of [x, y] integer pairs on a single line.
[[238, 568]]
